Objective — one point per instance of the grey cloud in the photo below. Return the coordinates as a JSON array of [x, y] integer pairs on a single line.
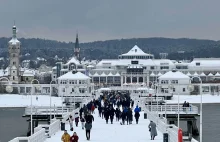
[[110, 19]]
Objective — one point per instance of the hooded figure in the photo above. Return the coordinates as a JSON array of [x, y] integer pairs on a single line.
[[153, 130]]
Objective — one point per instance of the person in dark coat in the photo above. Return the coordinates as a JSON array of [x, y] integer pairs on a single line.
[[129, 116], [103, 112], [100, 111], [153, 130], [106, 114], [80, 112], [111, 114], [88, 127], [117, 112], [76, 116], [85, 110], [132, 103], [137, 115], [123, 116], [89, 118]]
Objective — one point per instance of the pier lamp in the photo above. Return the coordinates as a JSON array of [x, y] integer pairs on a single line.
[[171, 86], [37, 87], [51, 90]]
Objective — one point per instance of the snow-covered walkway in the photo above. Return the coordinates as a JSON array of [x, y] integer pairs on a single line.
[[102, 132]]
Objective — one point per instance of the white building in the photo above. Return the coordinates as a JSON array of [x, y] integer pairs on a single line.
[[139, 68], [75, 85], [174, 82]]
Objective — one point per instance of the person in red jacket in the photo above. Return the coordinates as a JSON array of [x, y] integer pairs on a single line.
[[74, 137], [93, 108]]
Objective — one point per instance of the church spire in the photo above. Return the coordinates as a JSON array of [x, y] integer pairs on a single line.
[[77, 48]]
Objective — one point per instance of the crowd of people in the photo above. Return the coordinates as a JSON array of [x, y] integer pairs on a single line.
[[111, 106]]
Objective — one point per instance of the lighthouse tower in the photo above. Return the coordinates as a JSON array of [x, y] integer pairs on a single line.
[[14, 57]]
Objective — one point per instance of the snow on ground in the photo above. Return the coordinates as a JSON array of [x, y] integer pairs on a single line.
[[206, 98], [25, 100], [102, 132]]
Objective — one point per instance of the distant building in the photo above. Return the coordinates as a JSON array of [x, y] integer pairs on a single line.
[[14, 47]]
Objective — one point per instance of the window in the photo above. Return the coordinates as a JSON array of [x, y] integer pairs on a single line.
[[13, 55], [26, 78], [174, 90], [164, 67], [164, 81], [14, 63], [54, 76], [72, 89], [152, 67], [197, 64], [184, 89], [13, 78], [174, 81], [135, 50], [134, 62], [13, 71]]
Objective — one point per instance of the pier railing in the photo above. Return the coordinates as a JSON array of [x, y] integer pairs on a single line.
[[162, 126], [38, 136], [46, 110], [173, 109]]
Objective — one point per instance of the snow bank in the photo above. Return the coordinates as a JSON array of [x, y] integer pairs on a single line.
[[8, 100], [206, 98]]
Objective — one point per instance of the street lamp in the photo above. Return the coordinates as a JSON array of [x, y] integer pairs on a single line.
[[37, 87], [50, 97], [200, 90]]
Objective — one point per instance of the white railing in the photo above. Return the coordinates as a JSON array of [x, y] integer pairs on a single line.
[[38, 136], [173, 133], [173, 109], [172, 130], [45, 110], [54, 127]]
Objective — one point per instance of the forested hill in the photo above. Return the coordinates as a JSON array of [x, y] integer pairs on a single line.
[[112, 48]]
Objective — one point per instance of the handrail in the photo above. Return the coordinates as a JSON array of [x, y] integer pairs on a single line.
[[174, 109], [38, 136]]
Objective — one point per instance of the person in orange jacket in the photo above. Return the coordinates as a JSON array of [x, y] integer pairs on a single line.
[[65, 137]]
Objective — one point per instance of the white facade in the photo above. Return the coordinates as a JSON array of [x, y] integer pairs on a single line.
[[174, 82], [75, 84], [138, 68]]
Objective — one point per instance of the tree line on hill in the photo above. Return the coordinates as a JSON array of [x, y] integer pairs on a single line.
[[110, 49]]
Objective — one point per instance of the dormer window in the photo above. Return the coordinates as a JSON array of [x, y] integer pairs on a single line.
[[135, 50]]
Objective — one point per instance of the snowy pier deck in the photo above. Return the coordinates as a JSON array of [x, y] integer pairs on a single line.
[[102, 132]]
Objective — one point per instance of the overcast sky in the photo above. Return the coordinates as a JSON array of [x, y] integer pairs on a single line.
[[110, 19]]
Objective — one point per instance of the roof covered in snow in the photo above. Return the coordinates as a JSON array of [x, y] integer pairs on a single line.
[[174, 75], [76, 76], [29, 73], [73, 60], [14, 41], [136, 51]]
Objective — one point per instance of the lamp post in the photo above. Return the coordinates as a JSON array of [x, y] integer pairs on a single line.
[[31, 103], [50, 98], [66, 86], [171, 88], [200, 90]]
